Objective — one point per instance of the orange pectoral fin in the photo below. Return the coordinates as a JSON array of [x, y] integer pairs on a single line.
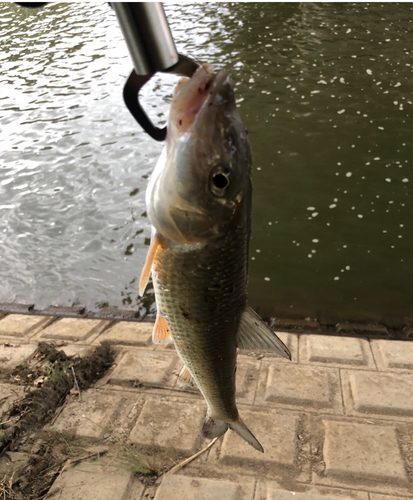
[[146, 271], [160, 333]]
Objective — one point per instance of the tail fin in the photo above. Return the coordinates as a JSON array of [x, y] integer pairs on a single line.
[[242, 430], [214, 428]]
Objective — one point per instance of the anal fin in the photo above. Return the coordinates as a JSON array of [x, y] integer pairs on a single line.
[[213, 427], [146, 271], [160, 332], [255, 335], [185, 378]]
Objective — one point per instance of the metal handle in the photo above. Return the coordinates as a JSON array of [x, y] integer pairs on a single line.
[[147, 34]]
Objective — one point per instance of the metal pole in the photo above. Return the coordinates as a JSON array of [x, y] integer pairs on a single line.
[[147, 35]]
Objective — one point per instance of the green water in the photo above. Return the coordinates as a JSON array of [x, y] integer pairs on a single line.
[[326, 95]]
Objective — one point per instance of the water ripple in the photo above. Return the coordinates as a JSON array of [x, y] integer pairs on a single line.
[[324, 90]]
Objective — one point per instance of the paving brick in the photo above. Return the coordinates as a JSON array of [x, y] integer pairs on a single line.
[[336, 351], [75, 349], [10, 357], [307, 387], [303, 325], [92, 480], [363, 328], [291, 341], [11, 307], [9, 393], [170, 424], [275, 431], [272, 491], [189, 488], [136, 491], [74, 329], [376, 496], [378, 393], [89, 417], [128, 333], [247, 378], [362, 453], [139, 366], [20, 325], [12, 465], [65, 311], [393, 355], [116, 313]]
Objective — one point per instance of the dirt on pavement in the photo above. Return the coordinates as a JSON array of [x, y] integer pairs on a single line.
[[50, 378]]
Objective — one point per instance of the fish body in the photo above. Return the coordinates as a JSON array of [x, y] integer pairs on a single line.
[[201, 292], [199, 203]]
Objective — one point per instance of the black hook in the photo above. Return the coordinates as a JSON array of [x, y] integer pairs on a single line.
[[184, 67], [31, 5]]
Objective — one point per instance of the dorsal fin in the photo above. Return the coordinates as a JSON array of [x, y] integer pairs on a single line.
[[160, 333], [146, 271], [255, 335]]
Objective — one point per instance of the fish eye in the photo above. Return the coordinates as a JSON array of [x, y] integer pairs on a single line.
[[219, 182]]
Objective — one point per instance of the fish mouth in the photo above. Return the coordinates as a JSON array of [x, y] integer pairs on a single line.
[[195, 94]]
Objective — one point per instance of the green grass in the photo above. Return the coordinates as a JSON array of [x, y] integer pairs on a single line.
[[54, 375], [130, 458]]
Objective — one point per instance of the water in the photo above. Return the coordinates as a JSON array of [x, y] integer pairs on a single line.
[[326, 95]]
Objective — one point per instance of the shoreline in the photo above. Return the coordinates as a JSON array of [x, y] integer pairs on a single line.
[[349, 328]]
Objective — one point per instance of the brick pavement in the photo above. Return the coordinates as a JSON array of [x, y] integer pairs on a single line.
[[336, 423]]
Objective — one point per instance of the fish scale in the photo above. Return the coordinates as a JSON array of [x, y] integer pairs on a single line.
[[201, 293]]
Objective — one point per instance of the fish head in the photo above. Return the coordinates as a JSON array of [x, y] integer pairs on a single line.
[[206, 175]]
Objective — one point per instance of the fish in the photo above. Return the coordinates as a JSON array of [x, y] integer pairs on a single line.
[[199, 206]]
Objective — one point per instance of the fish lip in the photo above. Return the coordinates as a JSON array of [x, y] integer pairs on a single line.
[[213, 98], [220, 78], [197, 94], [217, 83]]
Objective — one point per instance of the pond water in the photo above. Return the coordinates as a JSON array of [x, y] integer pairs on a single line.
[[325, 91]]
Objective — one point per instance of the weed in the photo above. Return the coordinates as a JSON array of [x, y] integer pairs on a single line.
[[6, 492], [131, 459], [54, 375], [137, 463], [69, 449]]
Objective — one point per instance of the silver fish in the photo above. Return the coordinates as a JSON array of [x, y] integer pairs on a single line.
[[199, 204]]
